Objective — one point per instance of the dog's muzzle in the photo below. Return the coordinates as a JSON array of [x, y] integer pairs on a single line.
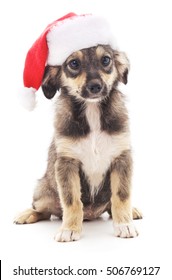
[[94, 86]]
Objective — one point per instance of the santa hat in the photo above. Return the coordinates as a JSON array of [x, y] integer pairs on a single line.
[[60, 39]]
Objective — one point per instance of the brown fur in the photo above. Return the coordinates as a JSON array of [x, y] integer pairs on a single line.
[[89, 163]]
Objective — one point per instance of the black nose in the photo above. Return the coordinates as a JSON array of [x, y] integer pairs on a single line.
[[94, 86]]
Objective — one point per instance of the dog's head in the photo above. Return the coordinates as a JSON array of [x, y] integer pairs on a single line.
[[88, 74]]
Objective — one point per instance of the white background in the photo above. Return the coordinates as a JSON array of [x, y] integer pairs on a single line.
[[144, 30]]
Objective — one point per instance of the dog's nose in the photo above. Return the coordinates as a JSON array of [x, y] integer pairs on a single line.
[[94, 86]]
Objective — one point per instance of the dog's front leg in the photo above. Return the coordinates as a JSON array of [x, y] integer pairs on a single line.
[[68, 183], [121, 196]]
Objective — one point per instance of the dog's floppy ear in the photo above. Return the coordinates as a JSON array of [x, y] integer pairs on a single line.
[[122, 65], [51, 81]]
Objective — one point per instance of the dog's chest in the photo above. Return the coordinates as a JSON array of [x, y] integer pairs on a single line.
[[96, 156], [98, 149]]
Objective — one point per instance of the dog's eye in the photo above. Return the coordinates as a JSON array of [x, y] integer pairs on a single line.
[[74, 64], [105, 60]]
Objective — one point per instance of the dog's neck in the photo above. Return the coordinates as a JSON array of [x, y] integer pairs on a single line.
[[77, 118], [92, 113]]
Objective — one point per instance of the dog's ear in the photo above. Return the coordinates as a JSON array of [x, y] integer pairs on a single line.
[[51, 81], [122, 65]]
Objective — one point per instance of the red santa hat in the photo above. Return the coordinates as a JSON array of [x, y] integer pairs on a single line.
[[60, 39]]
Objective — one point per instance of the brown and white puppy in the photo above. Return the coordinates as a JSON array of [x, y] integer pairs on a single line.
[[90, 163]]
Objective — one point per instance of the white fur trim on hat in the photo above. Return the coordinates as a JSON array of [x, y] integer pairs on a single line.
[[27, 98], [77, 33]]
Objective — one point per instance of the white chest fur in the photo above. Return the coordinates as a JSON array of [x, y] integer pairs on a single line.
[[98, 149]]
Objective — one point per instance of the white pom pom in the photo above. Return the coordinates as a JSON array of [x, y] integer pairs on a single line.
[[27, 98]]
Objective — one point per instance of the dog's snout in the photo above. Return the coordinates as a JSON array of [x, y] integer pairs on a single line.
[[94, 86]]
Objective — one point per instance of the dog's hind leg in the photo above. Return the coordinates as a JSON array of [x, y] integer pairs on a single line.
[[30, 216], [45, 203]]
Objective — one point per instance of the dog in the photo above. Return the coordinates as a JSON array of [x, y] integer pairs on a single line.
[[89, 167]]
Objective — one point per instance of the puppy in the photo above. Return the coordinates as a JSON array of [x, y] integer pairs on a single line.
[[89, 163]]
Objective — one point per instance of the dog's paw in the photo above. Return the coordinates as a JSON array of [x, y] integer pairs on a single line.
[[136, 214], [67, 236], [125, 230], [30, 216], [27, 217]]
